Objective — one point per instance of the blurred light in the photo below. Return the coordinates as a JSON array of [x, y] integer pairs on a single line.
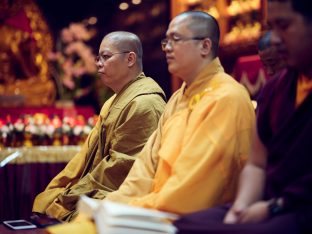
[[136, 2], [123, 6], [155, 11], [254, 103], [191, 2], [92, 20]]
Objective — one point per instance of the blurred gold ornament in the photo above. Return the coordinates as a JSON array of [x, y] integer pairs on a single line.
[[24, 76]]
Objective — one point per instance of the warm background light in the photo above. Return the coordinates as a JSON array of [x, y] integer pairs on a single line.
[[92, 20], [193, 2], [136, 2], [123, 6]]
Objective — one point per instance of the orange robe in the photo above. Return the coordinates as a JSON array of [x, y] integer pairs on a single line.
[[194, 158]]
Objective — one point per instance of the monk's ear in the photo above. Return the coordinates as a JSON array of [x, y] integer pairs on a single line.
[[132, 57], [206, 47]]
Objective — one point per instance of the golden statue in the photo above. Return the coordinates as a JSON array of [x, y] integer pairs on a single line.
[[24, 72]]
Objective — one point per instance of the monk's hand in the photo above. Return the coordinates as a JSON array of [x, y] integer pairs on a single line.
[[255, 213], [234, 214]]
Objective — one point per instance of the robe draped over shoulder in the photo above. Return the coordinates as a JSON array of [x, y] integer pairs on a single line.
[[193, 159], [125, 123]]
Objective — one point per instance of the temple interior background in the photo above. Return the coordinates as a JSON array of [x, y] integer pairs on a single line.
[[50, 93]]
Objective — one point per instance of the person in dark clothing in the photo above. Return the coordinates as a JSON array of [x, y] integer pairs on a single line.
[[275, 190]]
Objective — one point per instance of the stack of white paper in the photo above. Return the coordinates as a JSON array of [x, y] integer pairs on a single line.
[[116, 218]]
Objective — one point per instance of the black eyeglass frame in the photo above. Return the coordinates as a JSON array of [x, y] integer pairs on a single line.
[[104, 57], [173, 40]]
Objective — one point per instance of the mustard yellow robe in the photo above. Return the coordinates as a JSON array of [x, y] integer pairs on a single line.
[[125, 124], [193, 160]]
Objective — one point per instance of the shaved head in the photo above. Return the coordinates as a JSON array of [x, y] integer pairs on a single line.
[[126, 41], [204, 25]]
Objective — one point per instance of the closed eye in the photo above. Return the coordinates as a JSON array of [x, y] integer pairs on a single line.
[[106, 56], [175, 38]]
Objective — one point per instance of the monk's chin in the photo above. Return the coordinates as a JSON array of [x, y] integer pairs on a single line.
[[172, 69]]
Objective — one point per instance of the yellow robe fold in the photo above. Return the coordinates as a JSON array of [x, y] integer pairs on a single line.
[[125, 124], [193, 160]]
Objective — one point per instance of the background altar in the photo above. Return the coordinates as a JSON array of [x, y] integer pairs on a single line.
[[16, 112]]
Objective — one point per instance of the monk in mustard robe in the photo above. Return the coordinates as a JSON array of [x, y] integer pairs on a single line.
[[125, 123], [194, 158]]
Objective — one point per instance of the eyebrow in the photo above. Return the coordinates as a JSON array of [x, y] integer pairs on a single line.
[[105, 52], [173, 34]]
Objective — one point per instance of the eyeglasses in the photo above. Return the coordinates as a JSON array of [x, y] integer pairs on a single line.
[[104, 57], [175, 39]]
